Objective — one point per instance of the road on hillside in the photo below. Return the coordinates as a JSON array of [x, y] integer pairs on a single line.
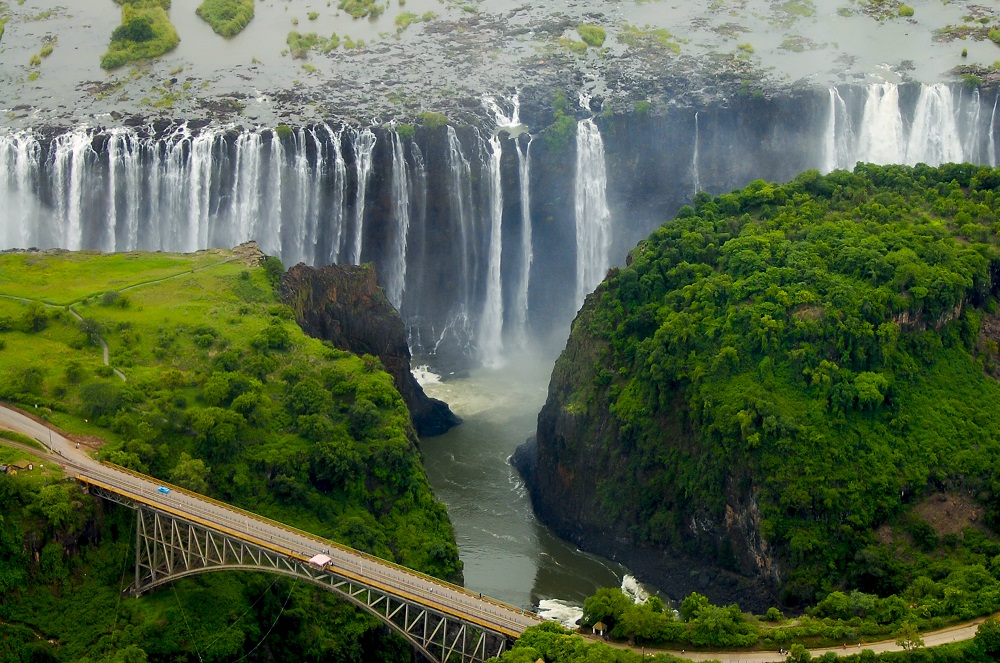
[[429, 591]]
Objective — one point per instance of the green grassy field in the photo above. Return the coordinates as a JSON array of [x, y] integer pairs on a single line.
[[225, 395]]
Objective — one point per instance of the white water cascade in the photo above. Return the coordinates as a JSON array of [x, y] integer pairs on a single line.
[[396, 279], [593, 218], [364, 146], [992, 143], [519, 314], [19, 165], [335, 225], [839, 135], [934, 135], [491, 321], [71, 153], [881, 137], [695, 168], [460, 193]]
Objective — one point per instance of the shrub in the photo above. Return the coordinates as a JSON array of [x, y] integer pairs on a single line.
[[145, 32], [593, 35], [994, 35], [227, 17], [905, 10], [433, 120]]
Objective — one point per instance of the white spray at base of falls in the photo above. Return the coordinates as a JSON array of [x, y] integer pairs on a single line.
[[593, 218], [19, 164], [396, 279], [519, 316], [491, 321], [364, 146]]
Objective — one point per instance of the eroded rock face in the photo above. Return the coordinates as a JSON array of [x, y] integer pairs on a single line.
[[576, 444], [345, 305]]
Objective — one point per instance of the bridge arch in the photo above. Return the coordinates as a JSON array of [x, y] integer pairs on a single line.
[[169, 547]]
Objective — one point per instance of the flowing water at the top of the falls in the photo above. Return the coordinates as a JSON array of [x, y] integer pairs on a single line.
[[593, 218], [491, 321]]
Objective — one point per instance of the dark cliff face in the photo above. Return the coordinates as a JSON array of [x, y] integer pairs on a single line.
[[578, 441], [346, 306]]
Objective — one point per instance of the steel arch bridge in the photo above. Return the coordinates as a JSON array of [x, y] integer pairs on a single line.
[[169, 546]]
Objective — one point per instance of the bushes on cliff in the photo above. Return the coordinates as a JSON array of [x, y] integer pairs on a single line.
[[813, 348]]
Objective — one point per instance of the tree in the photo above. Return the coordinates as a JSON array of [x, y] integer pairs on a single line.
[[691, 605], [798, 654], [909, 637], [606, 605], [988, 637], [191, 473]]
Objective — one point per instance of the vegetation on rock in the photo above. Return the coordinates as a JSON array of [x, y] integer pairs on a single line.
[[227, 17], [145, 32], [791, 371], [223, 393]]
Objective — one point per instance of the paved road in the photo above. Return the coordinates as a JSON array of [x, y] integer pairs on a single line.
[[429, 591]]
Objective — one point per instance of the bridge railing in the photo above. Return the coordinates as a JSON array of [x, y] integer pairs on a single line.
[[318, 539]]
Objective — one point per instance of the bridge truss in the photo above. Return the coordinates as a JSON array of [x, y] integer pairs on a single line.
[[168, 547]]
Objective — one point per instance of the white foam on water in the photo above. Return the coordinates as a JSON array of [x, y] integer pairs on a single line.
[[424, 375], [563, 612], [634, 589]]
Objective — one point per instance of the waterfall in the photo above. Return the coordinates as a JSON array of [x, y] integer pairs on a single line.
[[269, 236], [838, 137], [460, 192], [246, 189], [69, 166], [335, 224], [694, 160], [593, 219], [992, 143], [19, 166], [491, 322], [881, 137], [396, 279], [519, 316], [933, 135], [364, 146], [418, 188], [970, 130]]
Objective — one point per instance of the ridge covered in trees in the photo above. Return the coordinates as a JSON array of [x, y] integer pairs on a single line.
[[815, 359]]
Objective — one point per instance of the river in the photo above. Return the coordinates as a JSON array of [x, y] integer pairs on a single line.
[[507, 553]]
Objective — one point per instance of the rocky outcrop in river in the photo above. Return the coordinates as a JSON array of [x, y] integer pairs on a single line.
[[345, 305]]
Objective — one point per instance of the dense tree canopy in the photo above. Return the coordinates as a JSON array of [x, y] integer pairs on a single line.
[[816, 349]]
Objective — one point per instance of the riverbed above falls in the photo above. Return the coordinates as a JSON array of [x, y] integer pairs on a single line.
[[443, 56]]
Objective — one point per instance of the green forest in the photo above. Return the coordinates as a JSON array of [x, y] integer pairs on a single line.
[[826, 350], [222, 394]]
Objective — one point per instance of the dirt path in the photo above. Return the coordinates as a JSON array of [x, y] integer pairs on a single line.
[[956, 633]]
